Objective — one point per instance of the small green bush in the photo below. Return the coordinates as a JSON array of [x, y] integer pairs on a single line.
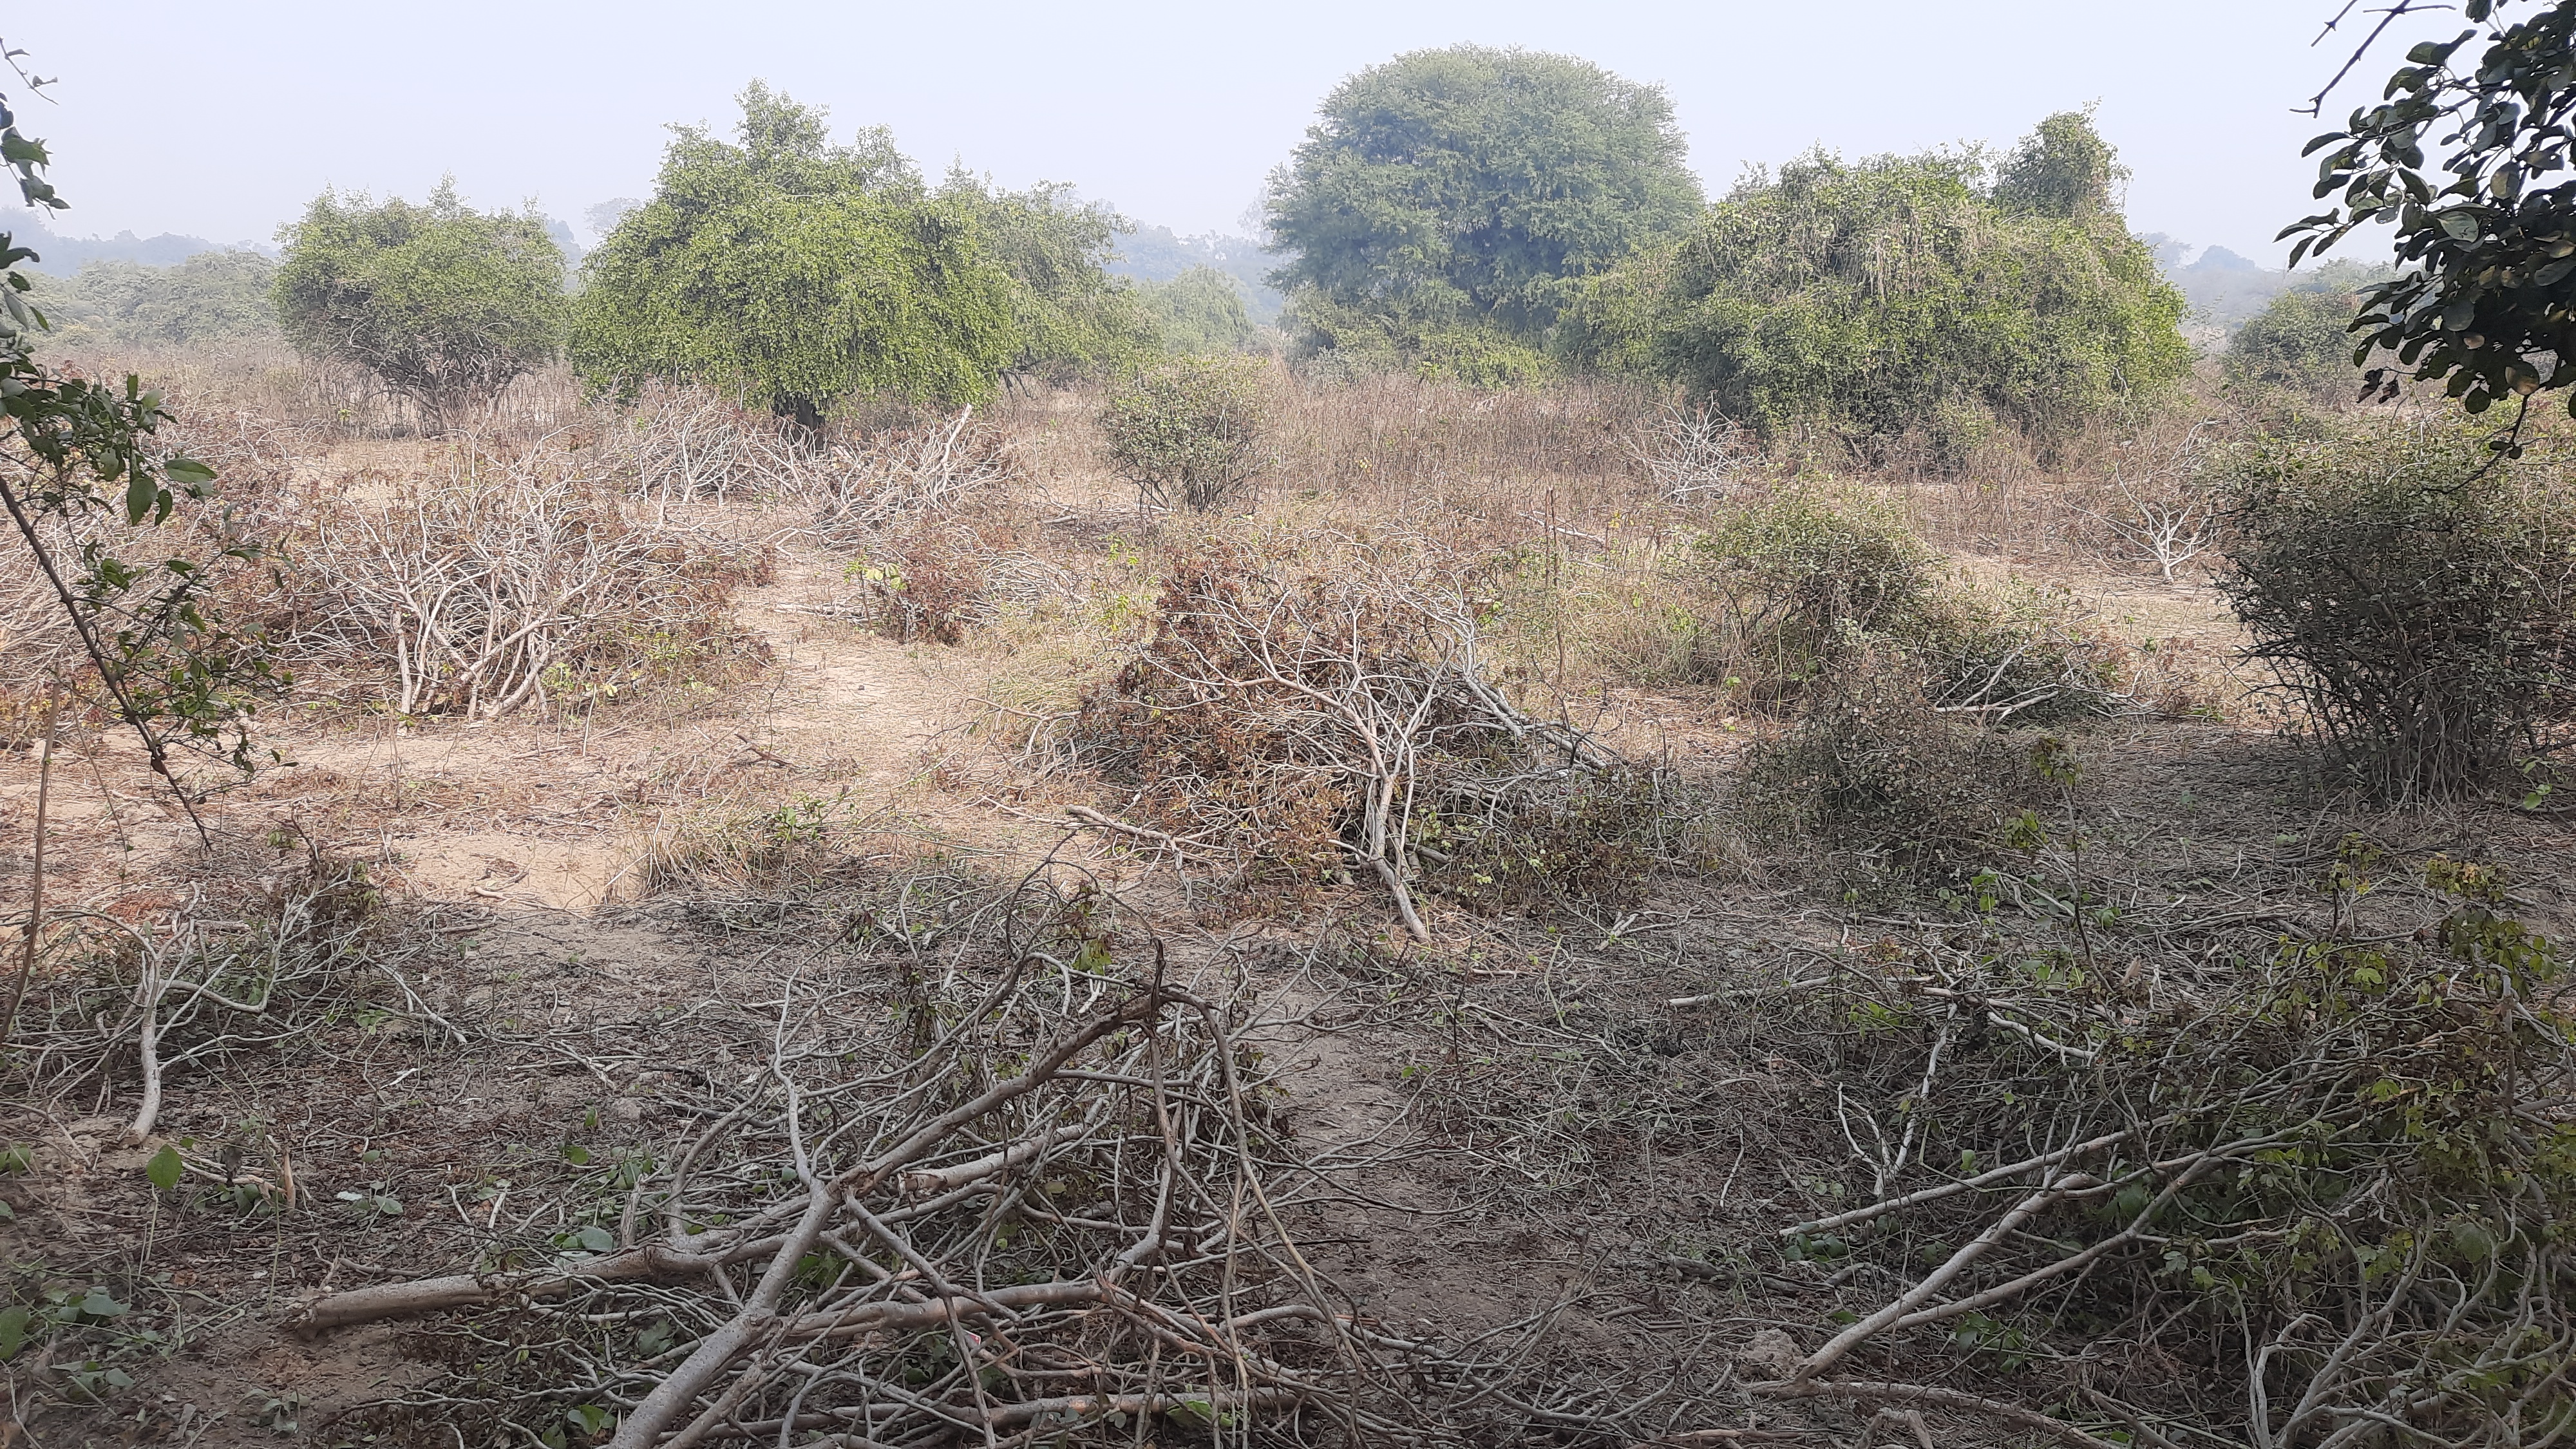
[[1812, 575], [2301, 342], [1798, 586], [1188, 432], [2417, 596]]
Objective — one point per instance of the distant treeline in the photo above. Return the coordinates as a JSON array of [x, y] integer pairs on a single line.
[[1491, 216]]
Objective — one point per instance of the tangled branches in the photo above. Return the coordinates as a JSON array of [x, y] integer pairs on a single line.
[[691, 444], [2319, 1200], [503, 585], [202, 983], [1050, 1196], [1290, 729], [1689, 452]]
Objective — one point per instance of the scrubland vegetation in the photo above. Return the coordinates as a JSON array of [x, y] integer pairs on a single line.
[[1768, 821]]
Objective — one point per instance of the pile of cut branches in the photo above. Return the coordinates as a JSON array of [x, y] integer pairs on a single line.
[[118, 1009], [691, 444], [1283, 729], [510, 582], [2323, 1198], [1019, 1185]]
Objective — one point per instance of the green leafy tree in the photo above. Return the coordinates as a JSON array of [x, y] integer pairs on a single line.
[[83, 472], [1471, 189], [2484, 298], [1200, 312], [1073, 319], [797, 273], [444, 304], [1895, 296], [210, 297]]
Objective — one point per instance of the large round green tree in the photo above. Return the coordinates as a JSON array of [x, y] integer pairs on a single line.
[[1473, 188], [1904, 295], [445, 304], [796, 272]]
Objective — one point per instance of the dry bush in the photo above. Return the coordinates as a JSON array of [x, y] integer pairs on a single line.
[[2157, 506], [944, 576], [1692, 452], [1293, 719], [505, 583], [2416, 595], [2319, 1196], [253, 458], [688, 444], [1877, 778], [211, 980]]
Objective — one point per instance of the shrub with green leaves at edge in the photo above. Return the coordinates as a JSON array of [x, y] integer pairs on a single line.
[[2416, 594], [445, 304], [1188, 432]]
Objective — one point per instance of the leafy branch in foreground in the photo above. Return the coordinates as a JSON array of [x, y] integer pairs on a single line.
[[76, 457], [2485, 296]]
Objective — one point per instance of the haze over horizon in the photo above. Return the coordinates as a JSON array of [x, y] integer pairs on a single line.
[[222, 125]]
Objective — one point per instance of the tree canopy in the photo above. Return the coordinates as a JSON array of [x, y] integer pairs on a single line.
[[796, 272], [1900, 294], [210, 297], [799, 272], [2484, 300], [1475, 187], [1072, 317], [1200, 312], [446, 304]]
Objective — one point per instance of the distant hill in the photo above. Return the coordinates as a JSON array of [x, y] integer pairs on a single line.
[[1157, 254], [63, 256]]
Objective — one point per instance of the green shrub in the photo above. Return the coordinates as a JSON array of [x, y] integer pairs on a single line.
[[1200, 312], [445, 304], [1792, 584], [1873, 774], [2302, 341], [1799, 586], [1892, 298], [2417, 596], [1188, 432]]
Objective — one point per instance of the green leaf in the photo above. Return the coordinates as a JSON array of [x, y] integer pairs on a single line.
[[576, 1154], [165, 1168], [188, 470], [14, 1322], [97, 1303], [140, 494], [595, 1240]]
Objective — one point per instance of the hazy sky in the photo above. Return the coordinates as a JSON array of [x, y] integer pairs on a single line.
[[222, 119]]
